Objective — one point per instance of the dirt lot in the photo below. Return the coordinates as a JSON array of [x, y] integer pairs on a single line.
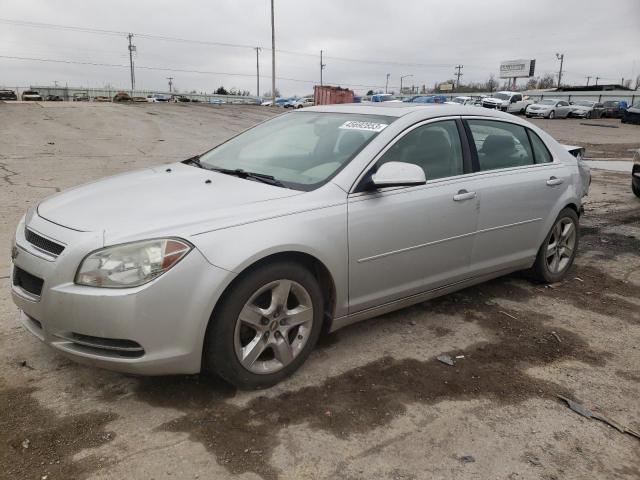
[[372, 402]]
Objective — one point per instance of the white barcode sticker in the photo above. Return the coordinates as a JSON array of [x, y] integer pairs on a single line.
[[366, 126]]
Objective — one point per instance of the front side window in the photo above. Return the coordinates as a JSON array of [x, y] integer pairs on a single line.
[[434, 147], [302, 150], [500, 144], [516, 98]]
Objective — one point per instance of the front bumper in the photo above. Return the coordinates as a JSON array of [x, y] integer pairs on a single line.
[[538, 113], [155, 329]]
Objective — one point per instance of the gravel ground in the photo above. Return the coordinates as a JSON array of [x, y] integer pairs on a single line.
[[372, 401]]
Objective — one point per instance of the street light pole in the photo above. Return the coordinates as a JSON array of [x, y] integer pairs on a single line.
[[273, 57], [257, 71], [560, 56], [386, 85]]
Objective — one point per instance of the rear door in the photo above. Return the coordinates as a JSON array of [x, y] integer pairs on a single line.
[[407, 240], [518, 185]]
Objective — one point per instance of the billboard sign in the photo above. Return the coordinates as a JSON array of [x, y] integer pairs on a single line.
[[445, 87], [517, 68]]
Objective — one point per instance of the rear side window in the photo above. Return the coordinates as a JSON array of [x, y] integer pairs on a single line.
[[500, 144], [540, 152], [434, 147]]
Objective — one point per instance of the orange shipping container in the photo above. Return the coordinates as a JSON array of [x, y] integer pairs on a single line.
[[327, 95]]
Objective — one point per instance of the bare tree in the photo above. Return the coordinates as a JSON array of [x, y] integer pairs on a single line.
[[548, 80]]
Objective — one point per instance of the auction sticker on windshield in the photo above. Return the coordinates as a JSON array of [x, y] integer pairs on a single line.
[[366, 126]]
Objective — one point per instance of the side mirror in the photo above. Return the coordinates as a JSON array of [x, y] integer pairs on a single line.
[[398, 174]]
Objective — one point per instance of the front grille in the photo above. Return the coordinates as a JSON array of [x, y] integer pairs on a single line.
[[42, 243], [26, 281]]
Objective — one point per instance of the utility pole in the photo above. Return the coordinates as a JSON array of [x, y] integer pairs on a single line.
[[273, 58], [386, 85], [597, 78], [170, 83], [588, 78], [257, 71], [132, 48], [458, 74], [560, 56], [322, 65]]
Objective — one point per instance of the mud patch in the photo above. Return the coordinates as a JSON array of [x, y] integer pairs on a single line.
[[360, 400], [35, 443]]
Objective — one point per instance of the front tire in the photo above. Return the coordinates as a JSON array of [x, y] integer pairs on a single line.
[[265, 326], [635, 188], [552, 115], [559, 248]]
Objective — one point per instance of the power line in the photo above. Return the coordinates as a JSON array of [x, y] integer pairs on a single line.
[[220, 44], [177, 70]]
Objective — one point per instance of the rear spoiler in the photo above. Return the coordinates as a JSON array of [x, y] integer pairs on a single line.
[[577, 152]]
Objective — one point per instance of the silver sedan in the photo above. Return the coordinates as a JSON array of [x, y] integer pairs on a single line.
[[234, 261], [549, 108]]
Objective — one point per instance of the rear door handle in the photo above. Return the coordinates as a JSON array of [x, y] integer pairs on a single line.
[[554, 181], [463, 195]]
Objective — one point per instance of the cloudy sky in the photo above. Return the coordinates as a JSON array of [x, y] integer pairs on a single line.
[[362, 41]]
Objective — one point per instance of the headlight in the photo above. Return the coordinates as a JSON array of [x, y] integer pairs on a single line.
[[131, 264]]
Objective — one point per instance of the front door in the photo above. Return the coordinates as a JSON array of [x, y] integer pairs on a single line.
[[408, 240]]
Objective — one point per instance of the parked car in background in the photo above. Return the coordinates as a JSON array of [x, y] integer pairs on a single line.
[[31, 96], [427, 99], [635, 174], [8, 95], [102, 98], [549, 108], [139, 99], [632, 114], [216, 101], [235, 260], [614, 108], [303, 102], [158, 97], [81, 97], [121, 97], [586, 109], [180, 99], [461, 101], [383, 97], [53, 98], [512, 102]]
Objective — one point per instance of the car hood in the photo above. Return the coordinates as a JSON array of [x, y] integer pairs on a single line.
[[493, 100], [581, 107], [161, 199]]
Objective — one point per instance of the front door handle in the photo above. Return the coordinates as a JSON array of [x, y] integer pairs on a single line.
[[463, 195], [554, 181]]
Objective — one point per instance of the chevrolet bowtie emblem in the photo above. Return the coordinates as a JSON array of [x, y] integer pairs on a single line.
[[14, 252]]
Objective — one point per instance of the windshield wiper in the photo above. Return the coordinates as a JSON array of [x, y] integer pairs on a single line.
[[260, 177]]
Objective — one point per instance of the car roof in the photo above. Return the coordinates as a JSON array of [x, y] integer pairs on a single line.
[[399, 109]]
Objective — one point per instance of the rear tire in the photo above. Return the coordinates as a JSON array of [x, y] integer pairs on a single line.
[[557, 252], [253, 340], [635, 189]]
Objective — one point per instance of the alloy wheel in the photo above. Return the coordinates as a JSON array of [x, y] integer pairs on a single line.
[[273, 326], [561, 244]]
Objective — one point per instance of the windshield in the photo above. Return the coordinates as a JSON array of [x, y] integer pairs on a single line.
[[459, 100], [585, 103], [501, 96], [303, 150], [547, 102]]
